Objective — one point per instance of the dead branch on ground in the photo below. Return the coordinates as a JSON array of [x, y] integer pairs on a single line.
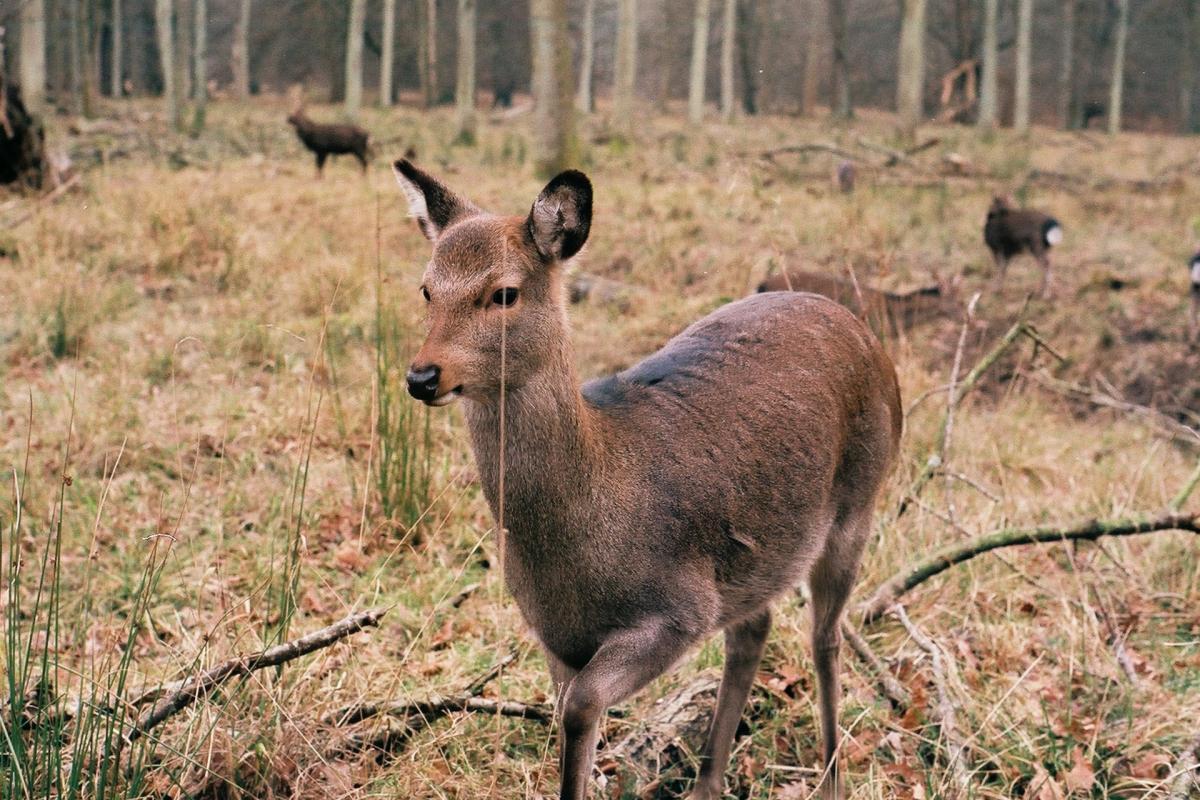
[[1160, 422], [1186, 772], [889, 687]]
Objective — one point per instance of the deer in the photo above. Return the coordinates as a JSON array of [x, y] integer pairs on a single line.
[[325, 140], [1010, 231], [643, 511], [1194, 283]]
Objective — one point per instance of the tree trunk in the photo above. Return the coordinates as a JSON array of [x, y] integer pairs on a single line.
[[587, 59], [183, 55], [747, 31], [74, 57], [428, 54], [464, 87], [814, 47], [354, 57], [910, 94], [989, 89], [240, 55], [728, 42], [200, 64], [116, 63], [552, 122], [33, 55], [1066, 69], [164, 24], [699, 63], [842, 106], [1118, 69], [625, 70], [1024, 58], [387, 54], [1187, 67]]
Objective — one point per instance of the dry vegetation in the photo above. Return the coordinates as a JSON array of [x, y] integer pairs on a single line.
[[200, 347]]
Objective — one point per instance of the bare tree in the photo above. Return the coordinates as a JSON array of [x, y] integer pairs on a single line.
[[116, 61], [910, 88], [551, 81], [842, 106], [699, 62], [587, 58], [354, 56], [164, 25], [625, 77], [811, 57], [988, 88], [1024, 60], [1116, 96], [1187, 65], [199, 64], [464, 87], [240, 51], [728, 43], [387, 54], [427, 53], [1066, 69], [32, 69]]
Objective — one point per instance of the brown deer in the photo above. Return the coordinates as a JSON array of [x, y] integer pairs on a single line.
[[1011, 231], [325, 140], [888, 313], [648, 509]]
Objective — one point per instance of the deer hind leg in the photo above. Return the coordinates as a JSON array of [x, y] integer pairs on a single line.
[[321, 163], [831, 580], [1043, 259], [744, 645], [627, 661], [1001, 268]]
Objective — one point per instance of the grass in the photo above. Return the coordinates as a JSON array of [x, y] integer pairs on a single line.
[[209, 344]]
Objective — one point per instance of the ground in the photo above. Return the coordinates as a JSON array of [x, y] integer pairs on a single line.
[[201, 355]]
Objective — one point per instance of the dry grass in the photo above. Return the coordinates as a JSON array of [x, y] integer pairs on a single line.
[[204, 339]]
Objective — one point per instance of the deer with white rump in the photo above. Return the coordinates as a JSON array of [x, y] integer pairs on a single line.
[[646, 510]]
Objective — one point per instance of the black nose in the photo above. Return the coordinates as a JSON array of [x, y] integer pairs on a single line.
[[423, 382]]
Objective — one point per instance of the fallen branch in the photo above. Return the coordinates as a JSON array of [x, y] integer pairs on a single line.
[[812, 147], [192, 689], [889, 687], [1163, 424], [1186, 772], [46, 199], [944, 710], [957, 552]]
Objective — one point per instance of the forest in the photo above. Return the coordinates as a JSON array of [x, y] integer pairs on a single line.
[[246, 553]]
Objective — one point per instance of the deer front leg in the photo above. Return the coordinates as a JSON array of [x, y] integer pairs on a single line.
[[627, 661], [1194, 316], [744, 644], [1001, 267]]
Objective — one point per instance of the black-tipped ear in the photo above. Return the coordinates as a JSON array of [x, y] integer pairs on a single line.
[[562, 216], [433, 205]]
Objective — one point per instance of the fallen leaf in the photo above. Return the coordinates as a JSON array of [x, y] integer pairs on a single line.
[[1081, 776]]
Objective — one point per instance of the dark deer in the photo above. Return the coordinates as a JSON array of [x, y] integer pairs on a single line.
[[888, 313], [1011, 231], [326, 140], [1194, 313], [648, 509]]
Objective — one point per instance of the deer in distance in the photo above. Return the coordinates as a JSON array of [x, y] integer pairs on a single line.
[[645, 510], [325, 140], [1010, 231], [1194, 309]]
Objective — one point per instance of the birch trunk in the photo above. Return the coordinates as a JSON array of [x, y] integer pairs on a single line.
[[164, 25], [354, 57], [1118, 70], [552, 121], [431, 54], [1066, 69], [587, 59], [842, 106], [33, 54], [116, 78], [240, 53], [699, 63], [988, 88], [910, 99], [464, 87], [625, 77], [1024, 61], [387, 54], [200, 64], [728, 42]]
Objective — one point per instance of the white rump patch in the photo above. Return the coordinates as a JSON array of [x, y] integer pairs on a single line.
[[1054, 236], [1196, 270]]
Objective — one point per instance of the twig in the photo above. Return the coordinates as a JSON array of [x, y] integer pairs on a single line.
[[200, 685], [49, 197], [891, 688], [462, 596], [1186, 772], [1179, 499], [476, 686], [952, 399], [956, 553], [818, 147], [956, 756], [1173, 430]]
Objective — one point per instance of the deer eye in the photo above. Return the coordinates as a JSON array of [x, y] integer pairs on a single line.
[[425, 294], [504, 297]]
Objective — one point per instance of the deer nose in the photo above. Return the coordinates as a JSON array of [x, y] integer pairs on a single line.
[[423, 382]]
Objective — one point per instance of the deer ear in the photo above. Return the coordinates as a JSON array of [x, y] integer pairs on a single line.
[[433, 205], [561, 216]]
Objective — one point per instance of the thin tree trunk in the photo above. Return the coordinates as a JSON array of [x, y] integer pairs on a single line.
[[989, 89], [200, 64], [116, 78], [1024, 59], [33, 54], [164, 24], [910, 99], [587, 59], [1187, 66], [240, 55], [728, 43], [1066, 69], [464, 87], [747, 31], [354, 57], [387, 54], [699, 63], [810, 90], [1118, 70], [842, 106], [75, 57], [183, 55], [431, 54], [552, 123], [625, 77]]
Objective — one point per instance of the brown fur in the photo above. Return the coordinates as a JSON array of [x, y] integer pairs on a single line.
[[648, 509], [1010, 231], [888, 313], [326, 140]]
